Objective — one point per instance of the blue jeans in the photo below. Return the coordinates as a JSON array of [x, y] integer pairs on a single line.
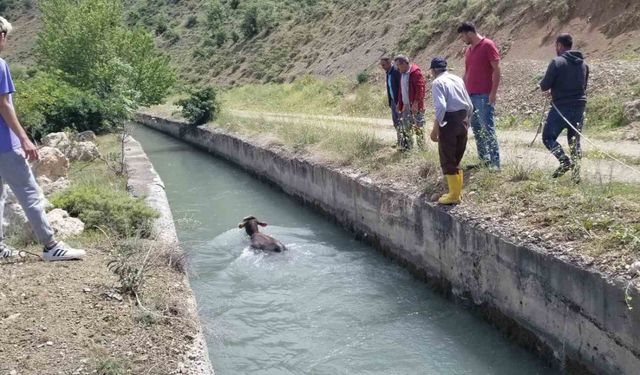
[[397, 123], [484, 130], [555, 125], [15, 171]]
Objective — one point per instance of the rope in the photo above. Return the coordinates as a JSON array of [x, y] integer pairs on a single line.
[[540, 124], [593, 144]]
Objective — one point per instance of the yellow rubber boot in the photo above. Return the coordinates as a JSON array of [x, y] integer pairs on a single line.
[[453, 197], [461, 181]]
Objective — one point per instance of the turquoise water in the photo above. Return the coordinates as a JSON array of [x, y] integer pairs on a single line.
[[330, 305]]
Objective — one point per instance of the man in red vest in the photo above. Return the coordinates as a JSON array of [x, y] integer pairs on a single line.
[[411, 101]]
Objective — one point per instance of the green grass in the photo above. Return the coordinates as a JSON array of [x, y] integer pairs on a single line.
[[310, 95], [112, 366]]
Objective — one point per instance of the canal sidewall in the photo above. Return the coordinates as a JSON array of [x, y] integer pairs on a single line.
[[143, 181], [571, 316]]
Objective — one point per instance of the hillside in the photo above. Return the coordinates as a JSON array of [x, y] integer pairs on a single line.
[[240, 41]]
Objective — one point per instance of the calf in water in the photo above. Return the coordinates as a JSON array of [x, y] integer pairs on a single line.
[[260, 241]]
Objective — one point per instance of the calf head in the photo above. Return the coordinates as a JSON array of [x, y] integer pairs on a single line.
[[250, 225]]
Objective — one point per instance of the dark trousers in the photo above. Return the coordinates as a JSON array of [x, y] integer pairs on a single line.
[[397, 124], [452, 142], [555, 125]]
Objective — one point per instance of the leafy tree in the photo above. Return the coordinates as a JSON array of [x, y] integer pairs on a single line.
[[87, 42], [45, 103], [201, 107]]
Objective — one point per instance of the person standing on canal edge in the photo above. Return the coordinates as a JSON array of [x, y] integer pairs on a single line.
[[453, 106], [15, 149], [393, 88], [411, 101], [566, 81], [482, 79]]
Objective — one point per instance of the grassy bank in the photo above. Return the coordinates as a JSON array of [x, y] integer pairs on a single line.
[[112, 313], [520, 105], [310, 95]]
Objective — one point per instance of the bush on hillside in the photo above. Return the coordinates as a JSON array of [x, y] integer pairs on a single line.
[[258, 16], [201, 107], [45, 103], [100, 206], [362, 77]]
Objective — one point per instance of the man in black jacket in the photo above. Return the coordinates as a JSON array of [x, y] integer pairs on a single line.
[[393, 88], [566, 82]]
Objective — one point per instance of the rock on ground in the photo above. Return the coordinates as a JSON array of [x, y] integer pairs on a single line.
[[57, 140], [52, 164], [15, 222], [83, 151], [632, 111], [87, 136], [64, 225], [51, 187], [632, 132]]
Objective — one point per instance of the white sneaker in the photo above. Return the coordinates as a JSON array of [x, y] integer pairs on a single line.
[[62, 251], [6, 252]]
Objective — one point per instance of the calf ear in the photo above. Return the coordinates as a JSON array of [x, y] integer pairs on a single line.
[[241, 225], [262, 224]]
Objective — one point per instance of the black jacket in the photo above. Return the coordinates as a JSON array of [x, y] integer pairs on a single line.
[[567, 77], [395, 85]]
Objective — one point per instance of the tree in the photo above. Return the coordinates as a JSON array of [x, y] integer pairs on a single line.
[[87, 42]]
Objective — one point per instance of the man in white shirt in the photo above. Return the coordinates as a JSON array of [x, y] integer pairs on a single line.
[[453, 107]]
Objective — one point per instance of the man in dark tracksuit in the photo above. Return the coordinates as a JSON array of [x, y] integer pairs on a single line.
[[393, 87], [566, 81]]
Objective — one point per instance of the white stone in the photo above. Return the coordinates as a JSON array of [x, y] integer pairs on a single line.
[[56, 140], [83, 151], [86, 136], [15, 222], [52, 164], [632, 111], [51, 187], [64, 225]]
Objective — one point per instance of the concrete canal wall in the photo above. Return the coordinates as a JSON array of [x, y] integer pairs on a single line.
[[144, 181]]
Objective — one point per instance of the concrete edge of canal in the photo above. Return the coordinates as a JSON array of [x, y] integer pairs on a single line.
[[572, 317], [144, 181]]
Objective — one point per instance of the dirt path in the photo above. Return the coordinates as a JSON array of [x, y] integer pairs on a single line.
[[514, 145]]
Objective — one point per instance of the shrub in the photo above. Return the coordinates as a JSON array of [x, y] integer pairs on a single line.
[[258, 16], [362, 77], [201, 107], [100, 206], [45, 103], [249, 25], [191, 21]]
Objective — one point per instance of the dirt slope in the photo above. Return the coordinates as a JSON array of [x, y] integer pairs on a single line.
[[336, 37]]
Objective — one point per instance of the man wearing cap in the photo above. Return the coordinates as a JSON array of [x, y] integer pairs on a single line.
[[453, 107], [411, 101]]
